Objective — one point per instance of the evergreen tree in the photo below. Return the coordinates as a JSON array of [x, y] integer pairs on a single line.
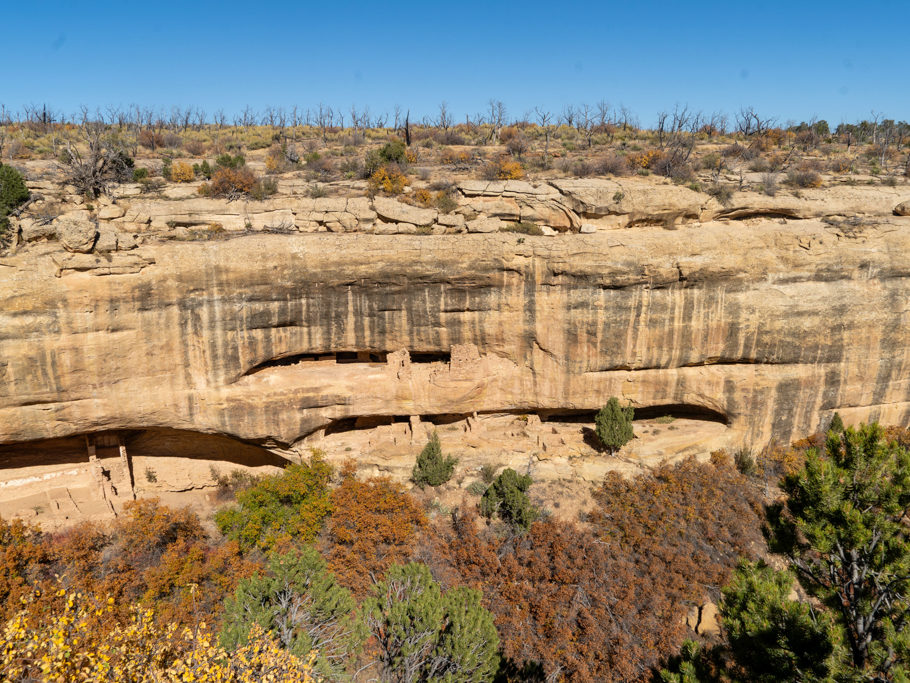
[[424, 634], [843, 528], [432, 469], [771, 637], [507, 498], [613, 425], [300, 603]]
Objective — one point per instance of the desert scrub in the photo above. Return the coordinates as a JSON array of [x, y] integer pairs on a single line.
[[389, 179], [503, 169], [522, 227], [181, 173], [721, 192], [229, 182], [805, 175], [263, 188]]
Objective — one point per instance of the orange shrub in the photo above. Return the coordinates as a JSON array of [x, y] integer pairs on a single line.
[[451, 156], [151, 139], [373, 525], [182, 172], [229, 181], [508, 133], [20, 551], [503, 169]]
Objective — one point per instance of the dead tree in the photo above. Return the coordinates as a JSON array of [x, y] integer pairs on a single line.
[[102, 164]]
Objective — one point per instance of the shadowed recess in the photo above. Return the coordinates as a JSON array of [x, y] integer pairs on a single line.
[[175, 443]]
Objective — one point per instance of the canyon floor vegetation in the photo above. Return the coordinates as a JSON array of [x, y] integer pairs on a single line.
[[327, 576]]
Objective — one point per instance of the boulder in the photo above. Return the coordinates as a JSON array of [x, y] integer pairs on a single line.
[[33, 230], [451, 220], [500, 207], [548, 212], [107, 240], [360, 208], [77, 235], [397, 212], [902, 209], [587, 229], [111, 212], [485, 225]]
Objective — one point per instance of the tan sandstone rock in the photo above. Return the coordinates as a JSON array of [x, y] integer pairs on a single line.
[[398, 212], [184, 335], [76, 235]]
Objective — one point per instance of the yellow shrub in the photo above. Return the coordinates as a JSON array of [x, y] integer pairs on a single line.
[[643, 159], [410, 155], [511, 170], [424, 197], [388, 180], [66, 645], [182, 172], [272, 164]]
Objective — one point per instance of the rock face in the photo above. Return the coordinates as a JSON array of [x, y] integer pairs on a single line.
[[77, 235], [274, 338]]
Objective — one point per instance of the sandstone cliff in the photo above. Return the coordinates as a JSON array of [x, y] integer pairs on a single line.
[[271, 338]]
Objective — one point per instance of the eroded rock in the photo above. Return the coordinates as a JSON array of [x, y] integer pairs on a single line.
[[76, 235]]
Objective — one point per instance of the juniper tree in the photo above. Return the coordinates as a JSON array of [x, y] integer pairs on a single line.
[[507, 498], [432, 468], [300, 603], [613, 425], [424, 634]]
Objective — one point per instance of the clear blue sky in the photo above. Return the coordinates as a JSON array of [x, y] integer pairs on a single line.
[[793, 60]]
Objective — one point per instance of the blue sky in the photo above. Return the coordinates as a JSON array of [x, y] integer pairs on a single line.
[[792, 60]]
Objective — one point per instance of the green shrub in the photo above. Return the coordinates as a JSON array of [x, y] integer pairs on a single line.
[[394, 151], [280, 508], [506, 498], [613, 425], [203, 169], [140, 174], [302, 605], [13, 192], [745, 461], [434, 636], [166, 166], [227, 161], [432, 469], [477, 488], [264, 188]]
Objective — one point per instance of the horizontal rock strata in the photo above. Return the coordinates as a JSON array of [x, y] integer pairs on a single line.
[[272, 338]]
